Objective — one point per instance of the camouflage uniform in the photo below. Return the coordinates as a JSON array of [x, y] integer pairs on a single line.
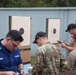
[[47, 60]]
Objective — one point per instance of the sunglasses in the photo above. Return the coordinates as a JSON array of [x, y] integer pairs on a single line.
[[13, 43]]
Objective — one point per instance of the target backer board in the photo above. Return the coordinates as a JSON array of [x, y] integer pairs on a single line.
[[22, 24], [53, 30]]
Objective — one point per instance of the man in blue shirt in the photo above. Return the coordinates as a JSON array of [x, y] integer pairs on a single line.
[[10, 59]]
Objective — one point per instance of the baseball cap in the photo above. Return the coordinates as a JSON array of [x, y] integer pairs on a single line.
[[39, 34], [70, 26]]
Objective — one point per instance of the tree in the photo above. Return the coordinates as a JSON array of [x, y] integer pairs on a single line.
[[37, 3]]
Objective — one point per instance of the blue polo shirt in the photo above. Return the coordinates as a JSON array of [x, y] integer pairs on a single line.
[[9, 61]]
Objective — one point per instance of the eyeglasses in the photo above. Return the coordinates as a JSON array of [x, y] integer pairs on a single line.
[[13, 43]]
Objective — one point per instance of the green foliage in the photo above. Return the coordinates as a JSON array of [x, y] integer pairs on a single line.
[[37, 3]]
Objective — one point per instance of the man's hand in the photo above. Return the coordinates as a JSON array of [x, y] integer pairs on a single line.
[[8, 73], [30, 69], [11, 73], [63, 45], [22, 72], [20, 69]]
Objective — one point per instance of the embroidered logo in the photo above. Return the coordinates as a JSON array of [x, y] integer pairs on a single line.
[[1, 58], [16, 56], [0, 48]]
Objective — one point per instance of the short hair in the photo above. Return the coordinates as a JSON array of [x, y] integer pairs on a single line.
[[15, 35]]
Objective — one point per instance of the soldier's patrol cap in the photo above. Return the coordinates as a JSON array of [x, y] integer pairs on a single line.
[[70, 26], [39, 34]]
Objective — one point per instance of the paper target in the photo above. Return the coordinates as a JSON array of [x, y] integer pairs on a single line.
[[22, 24], [53, 29]]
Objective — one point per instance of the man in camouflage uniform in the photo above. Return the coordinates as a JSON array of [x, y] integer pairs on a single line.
[[48, 57]]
